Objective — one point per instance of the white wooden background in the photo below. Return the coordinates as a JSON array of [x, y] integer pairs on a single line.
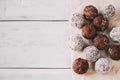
[[33, 36]]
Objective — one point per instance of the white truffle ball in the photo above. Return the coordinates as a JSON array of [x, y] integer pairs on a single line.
[[115, 34], [76, 42], [91, 53], [102, 65], [108, 11], [77, 20]]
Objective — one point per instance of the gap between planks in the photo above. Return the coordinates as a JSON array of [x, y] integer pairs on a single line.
[[30, 68], [34, 20]]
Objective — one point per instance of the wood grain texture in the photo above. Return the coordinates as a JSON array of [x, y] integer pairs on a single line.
[[34, 50], [34, 9], [34, 44], [43, 74]]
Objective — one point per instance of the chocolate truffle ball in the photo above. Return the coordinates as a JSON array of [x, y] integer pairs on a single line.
[[100, 23], [88, 31], [114, 52], [115, 34], [102, 65], [77, 20], [80, 66], [76, 42], [90, 12], [91, 53], [101, 41], [108, 11]]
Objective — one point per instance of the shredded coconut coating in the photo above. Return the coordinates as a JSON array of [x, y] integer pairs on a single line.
[[77, 20], [108, 11], [115, 34], [91, 53], [102, 65], [76, 42]]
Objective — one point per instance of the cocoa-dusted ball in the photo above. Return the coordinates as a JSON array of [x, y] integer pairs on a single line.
[[114, 52], [90, 12], [100, 23], [80, 66], [101, 41], [88, 31]]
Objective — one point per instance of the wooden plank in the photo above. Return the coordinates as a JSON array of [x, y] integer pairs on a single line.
[[34, 9], [9, 3], [44, 74], [34, 44]]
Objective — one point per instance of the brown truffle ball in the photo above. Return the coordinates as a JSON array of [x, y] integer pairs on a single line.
[[88, 31], [80, 66], [114, 52], [101, 41], [90, 12], [100, 23]]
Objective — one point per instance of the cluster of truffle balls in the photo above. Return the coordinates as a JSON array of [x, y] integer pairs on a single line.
[[93, 25]]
